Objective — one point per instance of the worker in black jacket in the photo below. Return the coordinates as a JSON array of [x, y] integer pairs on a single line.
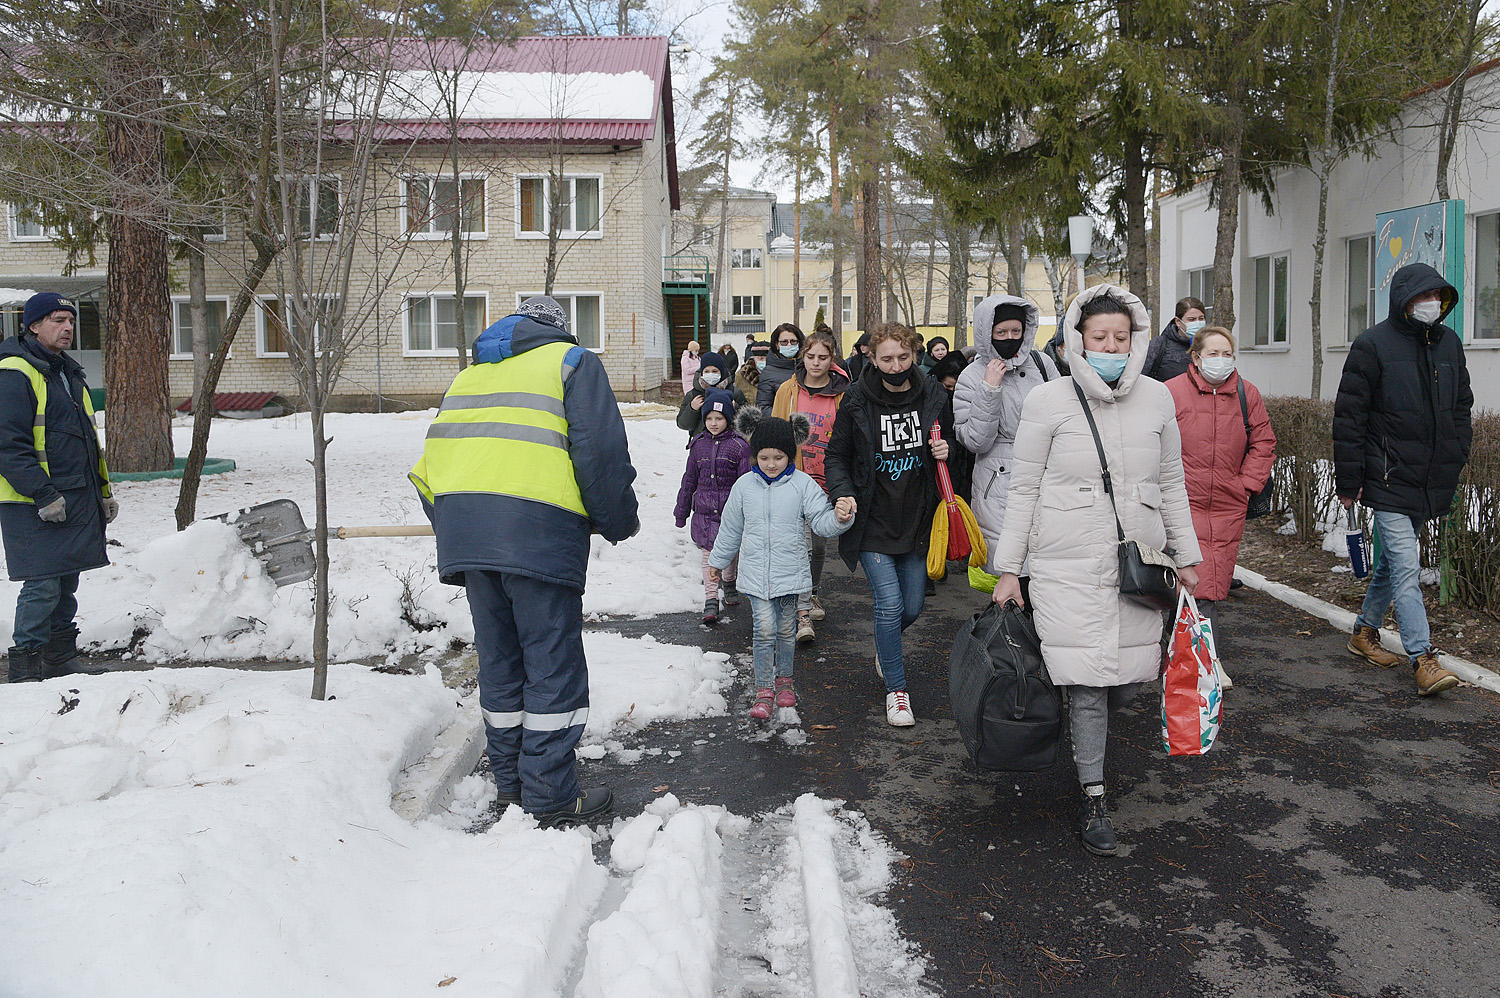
[[1401, 435]]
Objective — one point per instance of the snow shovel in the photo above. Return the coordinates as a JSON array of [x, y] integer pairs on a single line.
[[282, 543]]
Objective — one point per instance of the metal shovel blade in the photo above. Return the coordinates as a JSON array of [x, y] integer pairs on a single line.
[[282, 543]]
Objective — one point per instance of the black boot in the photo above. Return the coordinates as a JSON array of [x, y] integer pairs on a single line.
[[1093, 825], [26, 665], [711, 611], [585, 809], [730, 595], [60, 656]]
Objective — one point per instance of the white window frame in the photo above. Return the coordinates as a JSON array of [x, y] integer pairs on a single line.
[[313, 183], [1369, 281], [801, 304], [737, 309], [262, 325], [569, 218], [1197, 280], [823, 304], [746, 258], [1492, 341], [172, 343], [441, 234], [436, 351], [48, 233], [571, 304], [848, 310], [1269, 320]]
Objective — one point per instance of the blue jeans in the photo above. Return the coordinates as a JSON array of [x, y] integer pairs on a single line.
[[774, 625], [898, 584], [1395, 580], [44, 608]]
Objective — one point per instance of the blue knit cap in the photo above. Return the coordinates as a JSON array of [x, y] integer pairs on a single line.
[[719, 400], [43, 304]]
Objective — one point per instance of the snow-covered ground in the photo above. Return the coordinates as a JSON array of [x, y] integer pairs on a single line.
[[199, 595], [199, 830], [209, 831]]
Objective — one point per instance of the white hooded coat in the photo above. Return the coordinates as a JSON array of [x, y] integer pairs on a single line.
[[985, 416], [1060, 517]]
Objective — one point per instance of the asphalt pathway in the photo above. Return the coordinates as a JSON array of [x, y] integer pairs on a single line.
[[1341, 840]]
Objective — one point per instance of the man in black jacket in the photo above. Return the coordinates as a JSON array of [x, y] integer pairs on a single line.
[[1401, 436]]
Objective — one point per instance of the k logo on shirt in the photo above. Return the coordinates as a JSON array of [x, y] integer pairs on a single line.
[[900, 431]]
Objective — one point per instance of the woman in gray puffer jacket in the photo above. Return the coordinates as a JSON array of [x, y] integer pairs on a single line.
[[987, 401]]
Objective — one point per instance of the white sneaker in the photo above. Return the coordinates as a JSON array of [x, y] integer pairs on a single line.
[[1224, 681], [898, 710], [805, 631], [817, 612]]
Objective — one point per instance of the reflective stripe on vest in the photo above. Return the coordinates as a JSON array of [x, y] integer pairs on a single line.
[[502, 429], [39, 427]]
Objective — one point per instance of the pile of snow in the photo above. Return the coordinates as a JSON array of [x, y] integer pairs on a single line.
[[634, 681], [198, 595]]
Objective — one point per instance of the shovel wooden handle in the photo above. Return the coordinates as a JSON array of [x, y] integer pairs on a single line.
[[344, 533]]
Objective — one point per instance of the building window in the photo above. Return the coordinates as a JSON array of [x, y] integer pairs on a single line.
[[1487, 277], [578, 213], [584, 320], [801, 304], [745, 304], [823, 304], [26, 224], [848, 308], [1201, 287], [1271, 298], [1359, 284], [182, 326], [316, 202], [432, 323], [434, 204], [279, 328], [745, 259]]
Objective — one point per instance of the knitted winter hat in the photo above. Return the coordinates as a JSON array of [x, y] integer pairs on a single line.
[[713, 360], [774, 433], [720, 401], [43, 304], [1008, 310], [546, 310]]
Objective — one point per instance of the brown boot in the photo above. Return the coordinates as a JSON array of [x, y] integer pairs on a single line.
[[1366, 644], [1431, 677]]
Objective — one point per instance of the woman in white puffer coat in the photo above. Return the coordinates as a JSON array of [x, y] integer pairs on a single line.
[[987, 401], [1101, 646]]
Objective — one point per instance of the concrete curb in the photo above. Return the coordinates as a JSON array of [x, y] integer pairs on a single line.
[[427, 785], [1344, 620]]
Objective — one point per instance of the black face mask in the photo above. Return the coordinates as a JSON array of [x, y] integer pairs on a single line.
[[899, 379], [1007, 348]]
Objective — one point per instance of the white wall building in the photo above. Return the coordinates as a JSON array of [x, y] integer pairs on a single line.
[[1273, 264]]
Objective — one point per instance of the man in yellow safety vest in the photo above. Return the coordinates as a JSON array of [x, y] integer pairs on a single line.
[[526, 458], [54, 488]]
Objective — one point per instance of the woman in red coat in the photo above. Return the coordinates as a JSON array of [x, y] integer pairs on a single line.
[[1222, 466]]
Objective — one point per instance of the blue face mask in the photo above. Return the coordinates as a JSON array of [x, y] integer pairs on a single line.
[[1195, 327], [1109, 365], [788, 350]]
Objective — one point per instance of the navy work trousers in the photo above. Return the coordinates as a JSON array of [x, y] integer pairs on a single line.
[[533, 684]]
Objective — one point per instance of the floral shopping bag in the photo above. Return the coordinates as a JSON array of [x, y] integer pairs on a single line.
[[1191, 695]]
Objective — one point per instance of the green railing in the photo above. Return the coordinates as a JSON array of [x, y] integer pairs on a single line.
[[685, 269]]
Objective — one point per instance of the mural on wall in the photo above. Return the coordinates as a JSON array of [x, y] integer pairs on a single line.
[[1421, 234]]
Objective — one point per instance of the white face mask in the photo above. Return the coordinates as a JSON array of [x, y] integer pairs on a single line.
[[710, 377], [1217, 369], [1427, 312]]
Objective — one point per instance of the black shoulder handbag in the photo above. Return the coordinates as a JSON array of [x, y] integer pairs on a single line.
[[1260, 502], [1147, 575], [1008, 712]]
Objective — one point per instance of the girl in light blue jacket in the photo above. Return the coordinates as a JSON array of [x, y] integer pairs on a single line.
[[762, 523]]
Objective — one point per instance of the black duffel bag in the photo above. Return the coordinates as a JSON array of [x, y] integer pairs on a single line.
[[1009, 714]]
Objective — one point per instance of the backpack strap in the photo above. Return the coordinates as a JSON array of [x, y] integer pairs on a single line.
[[1040, 367], [1244, 412]]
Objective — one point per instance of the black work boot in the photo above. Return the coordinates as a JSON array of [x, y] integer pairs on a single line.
[[593, 804], [26, 665], [60, 656], [1098, 834]]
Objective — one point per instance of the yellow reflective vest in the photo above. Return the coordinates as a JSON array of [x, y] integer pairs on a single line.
[[502, 429], [39, 427]]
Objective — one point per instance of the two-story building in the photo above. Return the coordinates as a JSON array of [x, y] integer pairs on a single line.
[[591, 114]]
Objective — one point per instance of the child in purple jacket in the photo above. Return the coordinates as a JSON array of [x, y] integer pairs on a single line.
[[717, 457]]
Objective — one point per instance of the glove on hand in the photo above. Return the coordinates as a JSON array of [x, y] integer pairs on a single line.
[[111, 510], [55, 511]]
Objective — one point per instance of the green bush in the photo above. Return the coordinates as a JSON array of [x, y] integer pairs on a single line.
[[1303, 485]]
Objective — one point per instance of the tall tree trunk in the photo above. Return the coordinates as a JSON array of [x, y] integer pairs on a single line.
[[320, 550], [958, 281], [721, 284], [1015, 255], [139, 418], [870, 276], [891, 305], [835, 205], [198, 305], [456, 237], [1154, 291], [1133, 191], [1325, 159], [931, 261], [1055, 281], [797, 244], [1453, 104], [1229, 216]]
